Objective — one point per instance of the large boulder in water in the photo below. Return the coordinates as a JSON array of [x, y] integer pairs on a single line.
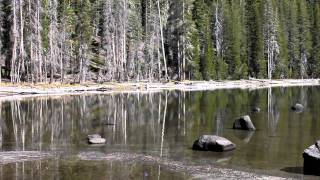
[[312, 159], [244, 123], [297, 107], [213, 143]]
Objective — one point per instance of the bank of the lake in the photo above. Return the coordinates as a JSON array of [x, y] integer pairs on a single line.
[[139, 126], [9, 91]]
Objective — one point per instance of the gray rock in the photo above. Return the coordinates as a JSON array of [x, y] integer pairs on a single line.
[[213, 143], [297, 107], [244, 123], [311, 158]]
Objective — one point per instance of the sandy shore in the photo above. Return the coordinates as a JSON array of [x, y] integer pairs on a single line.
[[9, 91]]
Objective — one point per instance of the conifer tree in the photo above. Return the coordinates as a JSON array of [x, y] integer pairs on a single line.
[[254, 19], [304, 37], [314, 67]]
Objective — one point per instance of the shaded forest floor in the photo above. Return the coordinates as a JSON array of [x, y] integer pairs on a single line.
[[8, 90]]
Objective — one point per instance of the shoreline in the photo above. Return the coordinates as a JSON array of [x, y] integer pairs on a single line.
[[12, 91], [195, 171]]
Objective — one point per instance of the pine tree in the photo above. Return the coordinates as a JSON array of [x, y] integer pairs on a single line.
[[220, 64], [232, 38], [83, 36], [254, 18], [281, 68], [195, 65], [2, 60], [314, 67], [294, 53], [304, 37], [202, 16], [208, 64]]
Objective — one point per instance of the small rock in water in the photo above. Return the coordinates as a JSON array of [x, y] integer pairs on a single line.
[[256, 109], [244, 123], [312, 159], [96, 139], [297, 107], [213, 143]]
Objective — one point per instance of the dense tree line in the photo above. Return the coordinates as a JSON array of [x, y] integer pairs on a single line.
[[134, 40]]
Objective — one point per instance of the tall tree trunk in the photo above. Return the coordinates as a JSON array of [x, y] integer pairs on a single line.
[[14, 46], [162, 42]]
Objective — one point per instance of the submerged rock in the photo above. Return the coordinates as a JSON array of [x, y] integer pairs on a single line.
[[256, 109], [213, 143], [244, 123], [312, 159], [297, 107], [96, 139]]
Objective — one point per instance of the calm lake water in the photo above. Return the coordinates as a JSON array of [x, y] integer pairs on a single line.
[[159, 124]]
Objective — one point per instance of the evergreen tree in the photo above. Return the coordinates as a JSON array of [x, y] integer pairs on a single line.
[[314, 67], [294, 61], [209, 59], [304, 37], [83, 36], [202, 16], [2, 58], [232, 38], [195, 65], [254, 18], [281, 67]]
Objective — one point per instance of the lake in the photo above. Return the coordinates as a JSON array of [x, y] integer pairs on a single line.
[[162, 125]]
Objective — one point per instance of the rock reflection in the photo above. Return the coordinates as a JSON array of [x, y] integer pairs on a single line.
[[244, 136]]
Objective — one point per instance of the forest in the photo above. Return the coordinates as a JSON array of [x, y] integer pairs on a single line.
[[158, 40]]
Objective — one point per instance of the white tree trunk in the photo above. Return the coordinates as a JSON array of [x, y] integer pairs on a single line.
[[162, 42]]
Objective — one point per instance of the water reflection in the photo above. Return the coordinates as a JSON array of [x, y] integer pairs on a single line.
[[273, 113], [166, 124]]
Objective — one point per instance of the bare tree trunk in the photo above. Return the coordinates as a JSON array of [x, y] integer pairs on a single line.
[[14, 46], [184, 43], [162, 42], [21, 59], [39, 46], [124, 56]]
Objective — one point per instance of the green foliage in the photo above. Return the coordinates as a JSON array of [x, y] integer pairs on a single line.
[[209, 60], [314, 68], [254, 18], [202, 15], [45, 26], [195, 57], [281, 70]]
